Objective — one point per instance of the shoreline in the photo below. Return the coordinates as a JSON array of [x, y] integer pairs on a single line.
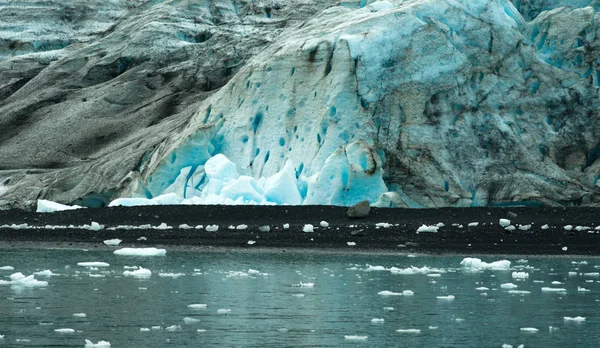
[[488, 238]]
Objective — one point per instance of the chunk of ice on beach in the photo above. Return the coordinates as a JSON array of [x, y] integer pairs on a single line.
[[211, 228], [504, 222], [576, 319], [223, 311], [324, 224], [308, 228], [475, 264], [409, 331], [446, 298], [100, 344], [112, 242], [425, 228], [568, 227], [45, 206], [138, 273], [525, 227], [384, 225], [355, 337], [265, 228], [473, 224], [286, 226], [251, 242], [140, 252], [64, 331], [197, 306], [93, 264], [545, 227], [241, 227]]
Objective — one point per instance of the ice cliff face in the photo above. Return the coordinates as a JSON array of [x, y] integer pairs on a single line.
[[444, 102]]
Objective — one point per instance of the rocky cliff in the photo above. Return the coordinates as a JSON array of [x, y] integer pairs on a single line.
[[444, 102]]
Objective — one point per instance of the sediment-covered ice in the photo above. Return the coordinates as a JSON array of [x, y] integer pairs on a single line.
[[140, 252]]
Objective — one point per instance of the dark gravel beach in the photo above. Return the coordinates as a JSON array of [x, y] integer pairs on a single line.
[[486, 238]]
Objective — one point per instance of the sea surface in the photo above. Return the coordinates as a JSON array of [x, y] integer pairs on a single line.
[[294, 299]]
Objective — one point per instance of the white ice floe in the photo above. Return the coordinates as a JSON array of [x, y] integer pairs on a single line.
[[94, 226], [568, 227], [212, 228], [377, 320], [138, 273], [185, 227], [112, 242], [201, 330], [355, 338], [20, 280], [446, 298], [519, 292], [308, 228], [140, 252], [576, 319], [504, 222], [389, 293], [7, 268], [473, 224], [251, 242], [93, 264], [475, 264], [351, 243], [162, 226], [425, 228], [383, 225], [520, 275], [324, 224], [286, 226], [409, 331], [582, 228], [304, 285], [100, 344], [64, 331], [171, 275], [173, 328], [241, 227], [509, 286], [79, 315], [45, 273], [482, 288], [197, 306], [45, 206], [548, 289], [529, 329], [223, 311]]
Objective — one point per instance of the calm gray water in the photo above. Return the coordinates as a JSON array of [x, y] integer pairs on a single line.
[[271, 310]]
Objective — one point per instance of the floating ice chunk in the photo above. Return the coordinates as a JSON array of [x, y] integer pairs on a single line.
[[579, 262], [504, 222], [375, 268], [44, 206], [355, 338], [93, 264], [20, 280], [171, 275], [545, 227], [130, 267], [324, 224], [446, 298], [473, 224], [64, 331], [580, 289], [409, 331], [548, 289], [564, 248], [191, 321], [298, 295], [144, 329], [568, 227], [308, 228], [482, 288], [519, 292], [7, 268], [265, 228], [251, 242], [241, 227], [304, 285], [520, 275], [577, 319], [434, 275], [140, 252], [389, 293], [79, 315], [286, 226], [385, 225], [201, 330], [408, 293], [112, 242], [197, 306], [223, 311], [388, 308], [415, 270], [46, 273], [100, 344], [377, 320], [592, 274], [529, 329], [475, 264], [253, 271], [173, 328], [425, 228], [351, 243], [138, 273], [212, 228]]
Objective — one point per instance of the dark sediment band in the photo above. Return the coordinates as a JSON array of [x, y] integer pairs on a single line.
[[486, 238]]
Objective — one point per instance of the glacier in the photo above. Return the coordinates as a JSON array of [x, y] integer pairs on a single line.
[[408, 103]]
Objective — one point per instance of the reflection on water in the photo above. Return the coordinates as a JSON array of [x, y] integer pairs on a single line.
[[297, 299]]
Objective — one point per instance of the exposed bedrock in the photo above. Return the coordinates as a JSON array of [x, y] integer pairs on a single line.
[[448, 102]]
